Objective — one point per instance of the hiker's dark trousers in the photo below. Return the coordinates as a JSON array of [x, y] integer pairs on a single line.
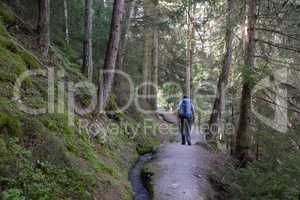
[[185, 129]]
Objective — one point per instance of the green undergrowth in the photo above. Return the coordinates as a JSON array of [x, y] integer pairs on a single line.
[[274, 176], [41, 156], [145, 148], [7, 14], [260, 180]]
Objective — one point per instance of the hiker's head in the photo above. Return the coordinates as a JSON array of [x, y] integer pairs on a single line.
[[185, 97]]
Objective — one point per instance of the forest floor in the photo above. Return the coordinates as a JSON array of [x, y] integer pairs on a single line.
[[181, 171]]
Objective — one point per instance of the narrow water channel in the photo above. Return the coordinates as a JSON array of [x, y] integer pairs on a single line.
[[141, 193]]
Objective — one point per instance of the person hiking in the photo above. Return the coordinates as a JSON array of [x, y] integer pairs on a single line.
[[186, 116]]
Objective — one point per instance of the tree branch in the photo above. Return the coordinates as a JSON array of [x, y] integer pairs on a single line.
[[279, 46], [273, 103], [294, 37]]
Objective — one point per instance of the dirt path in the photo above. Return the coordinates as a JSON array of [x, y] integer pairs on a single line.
[[182, 171]]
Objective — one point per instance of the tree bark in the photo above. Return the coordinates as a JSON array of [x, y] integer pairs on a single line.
[[193, 44], [153, 101], [187, 89], [242, 151], [121, 85], [125, 27], [44, 26], [148, 36], [147, 60], [87, 65], [190, 46], [154, 58], [151, 51], [105, 85], [215, 122], [18, 7], [67, 36]]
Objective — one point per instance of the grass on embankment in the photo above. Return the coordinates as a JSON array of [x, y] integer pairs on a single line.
[[41, 157]]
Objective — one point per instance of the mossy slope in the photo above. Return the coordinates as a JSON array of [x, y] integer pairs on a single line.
[[41, 157]]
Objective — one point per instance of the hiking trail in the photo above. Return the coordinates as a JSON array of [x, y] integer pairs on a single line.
[[182, 169]]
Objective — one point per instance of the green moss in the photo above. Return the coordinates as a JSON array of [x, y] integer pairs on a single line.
[[144, 149], [3, 30], [7, 14], [12, 65], [11, 124], [29, 60], [91, 155], [14, 61], [147, 177], [70, 53], [112, 105], [7, 43], [39, 162], [12, 194], [72, 69], [7, 105], [84, 98], [57, 123], [3, 148], [21, 174], [75, 66]]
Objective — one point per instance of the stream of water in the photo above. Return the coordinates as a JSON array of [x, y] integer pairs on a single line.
[[141, 193]]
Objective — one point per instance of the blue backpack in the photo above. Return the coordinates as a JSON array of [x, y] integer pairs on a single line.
[[186, 110]]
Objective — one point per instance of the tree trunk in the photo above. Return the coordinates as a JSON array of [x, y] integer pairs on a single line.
[[148, 37], [154, 57], [242, 151], [151, 51], [17, 2], [125, 27], [153, 101], [215, 122], [121, 85], [18, 7], [67, 37], [87, 65], [105, 85], [192, 45], [147, 61], [187, 89], [44, 26]]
